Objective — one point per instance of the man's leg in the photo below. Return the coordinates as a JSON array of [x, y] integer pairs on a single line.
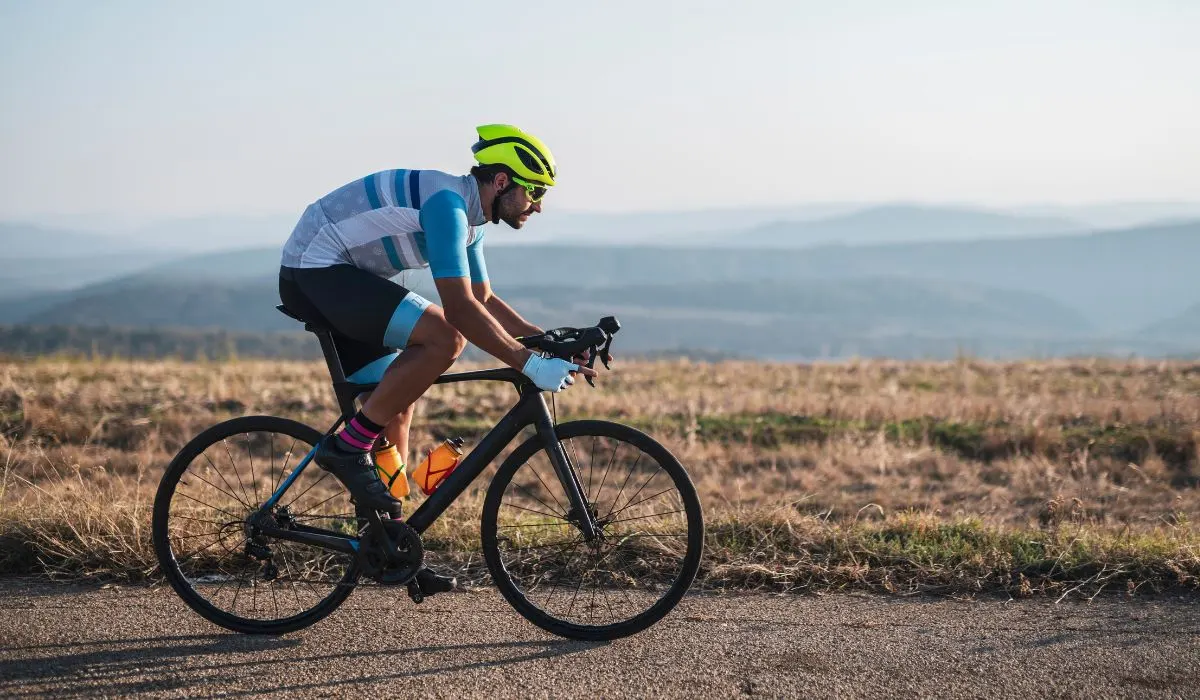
[[433, 346], [371, 315], [397, 431]]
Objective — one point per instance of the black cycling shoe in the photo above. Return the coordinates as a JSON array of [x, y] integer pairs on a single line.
[[431, 583], [357, 473]]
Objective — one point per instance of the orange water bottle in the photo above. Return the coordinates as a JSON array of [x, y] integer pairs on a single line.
[[438, 464], [391, 468]]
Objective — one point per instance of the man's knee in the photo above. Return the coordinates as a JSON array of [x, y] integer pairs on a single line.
[[448, 342]]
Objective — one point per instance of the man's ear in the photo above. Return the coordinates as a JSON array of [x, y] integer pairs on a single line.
[[500, 181]]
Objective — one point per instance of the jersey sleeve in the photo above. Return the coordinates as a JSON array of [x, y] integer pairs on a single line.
[[444, 220], [475, 260]]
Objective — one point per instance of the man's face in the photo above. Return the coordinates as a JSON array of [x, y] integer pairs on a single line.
[[515, 207]]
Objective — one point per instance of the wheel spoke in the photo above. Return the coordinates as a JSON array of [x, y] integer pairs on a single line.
[[223, 479], [273, 483], [628, 474], [591, 462], [208, 505], [247, 505], [253, 475], [309, 510], [210, 545], [643, 517], [310, 488], [606, 469], [563, 543], [287, 458], [236, 472], [644, 500], [539, 478], [531, 510], [639, 491], [547, 505], [198, 520]]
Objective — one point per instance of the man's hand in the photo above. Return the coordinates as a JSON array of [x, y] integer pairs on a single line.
[[553, 374]]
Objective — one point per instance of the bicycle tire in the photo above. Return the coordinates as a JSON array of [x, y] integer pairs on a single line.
[[518, 598], [162, 537]]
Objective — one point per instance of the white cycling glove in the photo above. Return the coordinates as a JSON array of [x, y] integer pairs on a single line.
[[549, 373]]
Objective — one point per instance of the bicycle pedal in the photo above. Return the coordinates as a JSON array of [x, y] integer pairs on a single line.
[[414, 592]]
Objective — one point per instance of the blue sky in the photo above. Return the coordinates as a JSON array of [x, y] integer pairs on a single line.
[[189, 108]]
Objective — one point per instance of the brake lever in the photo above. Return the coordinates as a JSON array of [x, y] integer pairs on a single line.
[[591, 364]]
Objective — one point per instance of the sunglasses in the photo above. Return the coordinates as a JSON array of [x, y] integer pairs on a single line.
[[536, 192]]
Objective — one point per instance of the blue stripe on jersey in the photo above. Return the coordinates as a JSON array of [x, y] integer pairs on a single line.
[[389, 247], [398, 188], [372, 195], [414, 190], [419, 238]]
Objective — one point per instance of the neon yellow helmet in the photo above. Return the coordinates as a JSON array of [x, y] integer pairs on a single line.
[[524, 154]]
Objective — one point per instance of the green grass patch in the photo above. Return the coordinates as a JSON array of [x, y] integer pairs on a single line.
[[916, 553]]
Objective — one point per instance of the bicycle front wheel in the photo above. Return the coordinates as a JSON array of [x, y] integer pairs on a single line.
[[219, 565], [634, 573]]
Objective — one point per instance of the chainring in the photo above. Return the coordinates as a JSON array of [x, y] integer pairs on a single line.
[[397, 567]]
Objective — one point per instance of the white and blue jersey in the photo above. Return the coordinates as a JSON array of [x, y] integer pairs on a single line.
[[392, 221]]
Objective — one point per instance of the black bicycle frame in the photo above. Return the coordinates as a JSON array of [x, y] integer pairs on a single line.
[[530, 410]]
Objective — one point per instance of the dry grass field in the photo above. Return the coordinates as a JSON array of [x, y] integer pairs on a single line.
[[1056, 477]]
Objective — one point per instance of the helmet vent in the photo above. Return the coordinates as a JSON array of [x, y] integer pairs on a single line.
[[530, 161]]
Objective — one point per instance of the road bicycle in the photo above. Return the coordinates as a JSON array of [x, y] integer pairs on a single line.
[[590, 529]]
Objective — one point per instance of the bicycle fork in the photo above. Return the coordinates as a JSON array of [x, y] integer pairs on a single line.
[[580, 512]]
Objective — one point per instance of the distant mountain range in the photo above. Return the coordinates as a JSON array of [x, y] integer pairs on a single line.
[[892, 224], [780, 292], [27, 241], [765, 226], [1182, 327]]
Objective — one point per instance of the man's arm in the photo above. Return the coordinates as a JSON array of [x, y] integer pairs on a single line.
[[444, 219], [508, 317], [473, 320]]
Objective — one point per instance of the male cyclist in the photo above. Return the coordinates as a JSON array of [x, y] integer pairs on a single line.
[[336, 268]]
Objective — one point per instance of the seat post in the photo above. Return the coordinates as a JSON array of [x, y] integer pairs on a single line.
[[333, 363], [336, 373], [331, 356]]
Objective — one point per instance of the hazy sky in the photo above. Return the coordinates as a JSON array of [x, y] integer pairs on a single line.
[[171, 108]]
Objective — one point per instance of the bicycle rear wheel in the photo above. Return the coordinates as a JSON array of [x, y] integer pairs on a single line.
[[652, 533], [222, 569]]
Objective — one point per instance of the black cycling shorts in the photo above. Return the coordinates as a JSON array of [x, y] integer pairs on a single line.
[[371, 317]]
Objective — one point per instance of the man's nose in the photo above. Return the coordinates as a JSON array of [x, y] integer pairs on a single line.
[[537, 206]]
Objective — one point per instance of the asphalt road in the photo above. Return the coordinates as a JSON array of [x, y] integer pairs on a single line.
[[72, 641]]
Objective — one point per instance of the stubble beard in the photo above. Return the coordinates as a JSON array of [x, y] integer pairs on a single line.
[[510, 213]]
